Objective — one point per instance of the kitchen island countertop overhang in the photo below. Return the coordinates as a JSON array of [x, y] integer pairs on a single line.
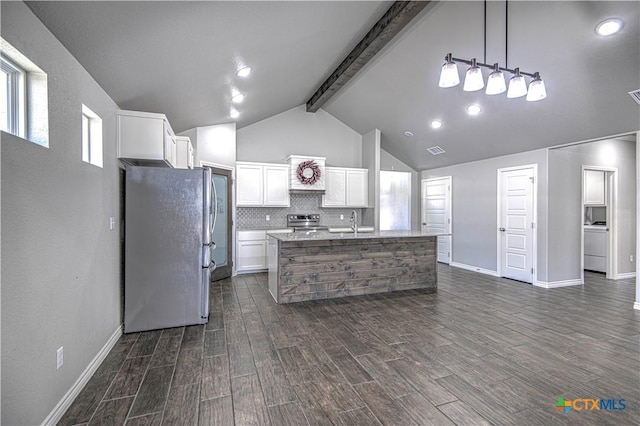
[[319, 265]]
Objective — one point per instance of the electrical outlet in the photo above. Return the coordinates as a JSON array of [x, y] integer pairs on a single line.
[[59, 357], [341, 217], [631, 258], [267, 218], [112, 223]]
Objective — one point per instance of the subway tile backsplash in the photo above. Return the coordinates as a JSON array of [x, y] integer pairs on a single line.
[[255, 217]]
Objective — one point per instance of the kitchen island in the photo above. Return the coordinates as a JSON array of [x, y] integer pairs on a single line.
[[321, 265]]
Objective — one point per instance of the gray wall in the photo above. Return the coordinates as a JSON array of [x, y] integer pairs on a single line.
[[474, 202], [215, 144], [565, 192], [60, 269], [389, 162], [297, 132], [371, 160]]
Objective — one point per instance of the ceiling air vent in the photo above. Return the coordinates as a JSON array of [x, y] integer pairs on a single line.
[[635, 95], [435, 150]]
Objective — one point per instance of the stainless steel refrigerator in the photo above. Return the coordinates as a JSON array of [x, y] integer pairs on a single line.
[[168, 226]]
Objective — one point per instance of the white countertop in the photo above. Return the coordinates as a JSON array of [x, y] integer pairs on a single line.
[[325, 235]]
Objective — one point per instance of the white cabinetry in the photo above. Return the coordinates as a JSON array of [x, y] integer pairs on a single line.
[[262, 185], [145, 139], [184, 155], [595, 189], [346, 187], [251, 250], [595, 248]]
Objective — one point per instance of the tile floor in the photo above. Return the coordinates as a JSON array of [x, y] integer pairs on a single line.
[[482, 350]]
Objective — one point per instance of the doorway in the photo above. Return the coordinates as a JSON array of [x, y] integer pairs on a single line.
[[599, 212], [516, 222], [222, 236], [436, 213]]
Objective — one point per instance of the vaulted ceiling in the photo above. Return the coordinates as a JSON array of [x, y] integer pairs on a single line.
[[180, 58]]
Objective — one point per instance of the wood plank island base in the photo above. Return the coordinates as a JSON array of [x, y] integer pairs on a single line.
[[322, 265]]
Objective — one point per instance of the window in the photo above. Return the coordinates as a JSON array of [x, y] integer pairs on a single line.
[[91, 137], [12, 111], [24, 99], [395, 201]]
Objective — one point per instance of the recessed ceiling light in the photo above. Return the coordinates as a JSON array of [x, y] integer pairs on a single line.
[[237, 98], [244, 72], [234, 113], [609, 26], [474, 109], [436, 124], [408, 134]]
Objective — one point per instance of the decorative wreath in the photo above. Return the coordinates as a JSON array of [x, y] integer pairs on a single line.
[[308, 172]]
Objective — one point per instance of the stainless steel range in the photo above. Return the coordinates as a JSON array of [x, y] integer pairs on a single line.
[[305, 222]]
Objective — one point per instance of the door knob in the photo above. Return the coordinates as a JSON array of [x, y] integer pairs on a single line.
[[502, 229]]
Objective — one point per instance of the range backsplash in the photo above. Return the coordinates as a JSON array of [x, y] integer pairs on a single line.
[[255, 217]]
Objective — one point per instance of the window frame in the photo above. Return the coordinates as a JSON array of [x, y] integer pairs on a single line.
[[91, 137], [16, 96]]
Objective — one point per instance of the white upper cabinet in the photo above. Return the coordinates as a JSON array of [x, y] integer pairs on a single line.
[[357, 188], [262, 185], [345, 187], [335, 188], [595, 189], [184, 155], [145, 139], [276, 185]]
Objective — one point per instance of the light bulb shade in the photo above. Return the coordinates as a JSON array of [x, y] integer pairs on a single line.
[[449, 74], [537, 91], [495, 82], [473, 79], [517, 86]]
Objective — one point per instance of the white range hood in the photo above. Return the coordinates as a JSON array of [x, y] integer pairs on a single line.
[[307, 174]]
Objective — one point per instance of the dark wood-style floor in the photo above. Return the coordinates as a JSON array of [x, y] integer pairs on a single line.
[[481, 351]]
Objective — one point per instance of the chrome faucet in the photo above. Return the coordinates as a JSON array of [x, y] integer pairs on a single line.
[[354, 221]]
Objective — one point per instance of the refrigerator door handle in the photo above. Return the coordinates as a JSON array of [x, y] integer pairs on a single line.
[[214, 206], [207, 208], [204, 291]]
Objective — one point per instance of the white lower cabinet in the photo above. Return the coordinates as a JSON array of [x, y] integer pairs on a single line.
[[345, 187], [595, 249], [251, 250]]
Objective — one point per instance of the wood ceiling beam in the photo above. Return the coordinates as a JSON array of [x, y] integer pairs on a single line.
[[392, 22]]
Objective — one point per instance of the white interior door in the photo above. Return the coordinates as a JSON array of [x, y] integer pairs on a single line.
[[436, 213], [515, 223]]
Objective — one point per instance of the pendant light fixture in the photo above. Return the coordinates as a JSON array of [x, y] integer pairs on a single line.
[[517, 85], [473, 79], [449, 73], [537, 90], [496, 81]]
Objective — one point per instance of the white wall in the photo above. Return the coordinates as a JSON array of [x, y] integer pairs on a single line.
[[297, 132], [474, 208], [565, 192], [215, 144], [61, 265]]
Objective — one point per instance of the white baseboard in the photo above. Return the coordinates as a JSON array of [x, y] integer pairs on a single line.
[[474, 269], [636, 305], [625, 276], [557, 284], [56, 414]]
